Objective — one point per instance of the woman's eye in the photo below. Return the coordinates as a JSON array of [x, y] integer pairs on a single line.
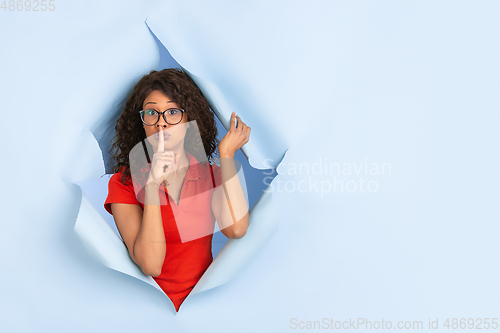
[[173, 112], [150, 112]]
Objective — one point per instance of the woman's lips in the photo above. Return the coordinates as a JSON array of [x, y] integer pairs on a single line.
[[165, 135]]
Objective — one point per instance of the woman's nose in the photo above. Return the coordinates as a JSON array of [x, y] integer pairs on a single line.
[[161, 123]]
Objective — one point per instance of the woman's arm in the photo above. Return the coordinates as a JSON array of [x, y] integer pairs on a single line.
[[142, 231], [229, 205]]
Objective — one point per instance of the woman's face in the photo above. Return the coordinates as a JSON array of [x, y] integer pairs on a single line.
[[173, 134]]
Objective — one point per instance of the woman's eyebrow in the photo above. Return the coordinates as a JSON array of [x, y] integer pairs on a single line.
[[155, 102]]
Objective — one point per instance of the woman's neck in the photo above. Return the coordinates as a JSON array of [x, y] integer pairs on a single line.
[[183, 161]]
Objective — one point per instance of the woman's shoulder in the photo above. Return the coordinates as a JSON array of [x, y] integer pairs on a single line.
[[118, 177], [216, 173], [119, 192], [215, 167]]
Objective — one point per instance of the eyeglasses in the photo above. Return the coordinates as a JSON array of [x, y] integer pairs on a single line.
[[171, 116]]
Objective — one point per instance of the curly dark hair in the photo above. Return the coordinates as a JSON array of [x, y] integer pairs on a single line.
[[181, 89]]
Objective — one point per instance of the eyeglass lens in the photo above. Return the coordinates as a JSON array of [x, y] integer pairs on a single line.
[[151, 117]]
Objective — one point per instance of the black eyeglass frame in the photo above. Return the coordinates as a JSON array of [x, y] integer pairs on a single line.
[[163, 114]]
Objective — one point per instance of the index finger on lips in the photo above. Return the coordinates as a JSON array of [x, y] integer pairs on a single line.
[[161, 141]]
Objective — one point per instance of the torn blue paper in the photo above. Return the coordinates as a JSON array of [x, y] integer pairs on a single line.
[[105, 245]]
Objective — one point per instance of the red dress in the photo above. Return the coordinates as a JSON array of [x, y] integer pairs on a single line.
[[188, 226]]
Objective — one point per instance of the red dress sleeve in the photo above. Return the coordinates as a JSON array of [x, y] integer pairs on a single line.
[[120, 193]]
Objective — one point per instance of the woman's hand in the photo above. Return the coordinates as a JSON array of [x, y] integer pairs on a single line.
[[163, 162], [235, 138]]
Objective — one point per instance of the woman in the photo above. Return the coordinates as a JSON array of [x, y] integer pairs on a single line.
[[165, 210]]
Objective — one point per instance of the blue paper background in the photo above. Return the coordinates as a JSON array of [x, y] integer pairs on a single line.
[[413, 84]]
